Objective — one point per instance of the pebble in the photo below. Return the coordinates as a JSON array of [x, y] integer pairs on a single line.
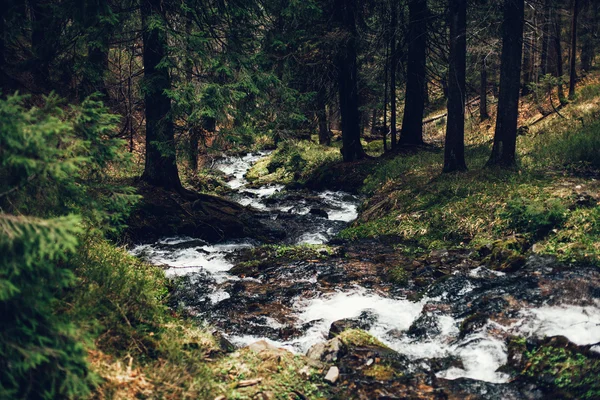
[[332, 375]]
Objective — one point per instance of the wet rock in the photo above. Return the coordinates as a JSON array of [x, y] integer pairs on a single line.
[[472, 323], [319, 212], [364, 321], [426, 326], [329, 351], [332, 375], [438, 254], [464, 388], [442, 364], [224, 344]]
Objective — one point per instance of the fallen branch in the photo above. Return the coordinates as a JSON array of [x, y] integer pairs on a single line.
[[248, 382]]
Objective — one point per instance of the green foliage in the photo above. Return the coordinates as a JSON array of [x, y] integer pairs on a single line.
[[40, 355], [534, 216], [117, 293], [55, 161], [53, 164], [576, 148]]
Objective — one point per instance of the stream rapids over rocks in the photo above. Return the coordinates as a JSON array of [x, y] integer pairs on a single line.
[[451, 320]]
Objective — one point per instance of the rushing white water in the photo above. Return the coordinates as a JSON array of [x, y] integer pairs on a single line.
[[581, 325], [482, 351], [187, 260]]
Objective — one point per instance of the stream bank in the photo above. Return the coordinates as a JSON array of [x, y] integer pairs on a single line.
[[445, 318]]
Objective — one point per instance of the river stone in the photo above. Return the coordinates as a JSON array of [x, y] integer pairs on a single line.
[[364, 321], [264, 346], [319, 212], [329, 351], [332, 375]]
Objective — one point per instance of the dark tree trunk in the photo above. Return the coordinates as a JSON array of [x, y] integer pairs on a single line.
[[161, 167], [373, 121], [588, 50], [393, 69], [573, 57], [527, 62], [586, 35], [385, 98], [348, 86], [40, 49], [545, 38], [97, 61], [324, 137], [483, 109], [3, 76], [414, 103], [194, 142], [558, 53], [454, 149], [505, 137]]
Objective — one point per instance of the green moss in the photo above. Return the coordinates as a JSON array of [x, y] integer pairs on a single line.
[[359, 338], [564, 371], [380, 372], [398, 275], [292, 161]]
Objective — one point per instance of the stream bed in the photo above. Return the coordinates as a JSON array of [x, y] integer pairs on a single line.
[[465, 317]]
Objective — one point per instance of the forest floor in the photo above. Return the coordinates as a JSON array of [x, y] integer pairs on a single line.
[[414, 217]]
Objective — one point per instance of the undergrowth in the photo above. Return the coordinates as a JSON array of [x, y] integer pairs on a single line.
[[550, 198]]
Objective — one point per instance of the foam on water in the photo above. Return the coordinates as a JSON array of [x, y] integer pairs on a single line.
[[238, 166], [580, 324], [186, 260], [342, 209]]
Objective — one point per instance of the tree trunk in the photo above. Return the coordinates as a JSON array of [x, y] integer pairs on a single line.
[[505, 137], [573, 57], [527, 62], [374, 121], [414, 103], [97, 61], [324, 137], [40, 49], [588, 34], [454, 149], [348, 86], [545, 38], [483, 109], [385, 98], [3, 75], [393, 69], [160, 167], [558, 52]]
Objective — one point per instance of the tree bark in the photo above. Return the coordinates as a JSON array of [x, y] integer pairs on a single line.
[[573, 57], [527, 62], [352, 149], [97, 60], [414, 104], [558, 52], [324, 137], [454, 149], [393, 69], [385, 95], [545, 38], [483, 109], [40, 49], [160, 167], [505, 137]]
